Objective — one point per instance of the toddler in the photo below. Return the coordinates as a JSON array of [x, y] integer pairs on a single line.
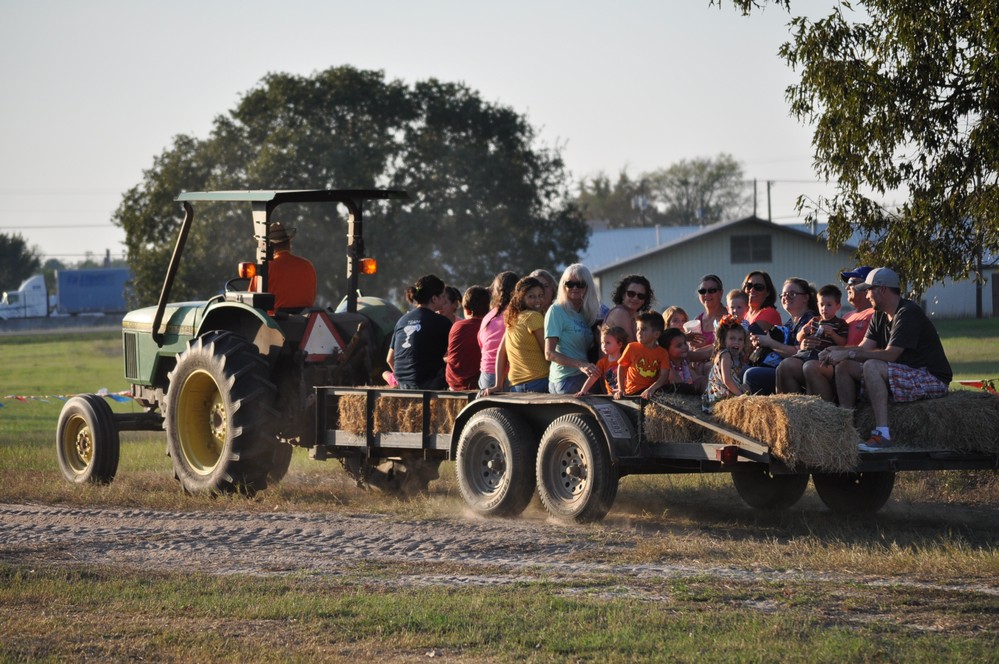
[[827, 328], [727, 364], [612, 343], [684, 377]]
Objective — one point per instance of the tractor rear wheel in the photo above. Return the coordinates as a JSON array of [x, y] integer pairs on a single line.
[[87, 442], [220, 418]]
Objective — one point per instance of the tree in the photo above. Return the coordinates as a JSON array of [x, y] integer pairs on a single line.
[[700, 191], [17, 261], [903, 101], [620, 204], [484, 197]]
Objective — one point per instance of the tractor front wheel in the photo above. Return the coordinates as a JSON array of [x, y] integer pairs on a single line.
[[87, 442]]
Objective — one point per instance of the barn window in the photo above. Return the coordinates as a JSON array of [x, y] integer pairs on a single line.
[[751, 249]]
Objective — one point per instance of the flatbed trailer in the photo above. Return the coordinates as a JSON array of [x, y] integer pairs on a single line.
[[573, 451]]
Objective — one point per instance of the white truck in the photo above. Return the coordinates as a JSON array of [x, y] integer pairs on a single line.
[[28, 301]]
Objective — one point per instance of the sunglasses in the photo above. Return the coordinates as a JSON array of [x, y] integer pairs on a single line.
[[756, 287], [790, 294], [640, 296], [575, 284], [705, 291]]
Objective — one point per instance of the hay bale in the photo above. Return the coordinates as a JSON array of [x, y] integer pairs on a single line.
[[350, 410], [397, 414], [802, 431], [964, 421], [664, 426]]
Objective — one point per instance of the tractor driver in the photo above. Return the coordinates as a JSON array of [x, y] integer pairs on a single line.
[[291, 278]]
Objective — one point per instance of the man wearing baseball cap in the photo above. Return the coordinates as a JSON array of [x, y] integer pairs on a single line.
[[291, 278], [900, 359]]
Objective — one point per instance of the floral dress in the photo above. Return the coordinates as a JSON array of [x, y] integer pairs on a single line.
[[716, 389]]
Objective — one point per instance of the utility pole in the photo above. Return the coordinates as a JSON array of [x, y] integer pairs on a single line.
[[770, 214]]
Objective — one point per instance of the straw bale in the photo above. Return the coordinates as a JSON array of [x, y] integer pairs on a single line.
[[963, 421], [397, 414], [351, 413], [664, 426], [802, 431]]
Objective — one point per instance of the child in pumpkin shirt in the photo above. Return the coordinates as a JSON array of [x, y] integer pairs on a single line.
[[640, 369]]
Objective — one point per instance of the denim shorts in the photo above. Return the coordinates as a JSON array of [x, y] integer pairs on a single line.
[[569, 385], [536, 385]]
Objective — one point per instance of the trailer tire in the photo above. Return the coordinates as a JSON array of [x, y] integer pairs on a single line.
[[87, 442], [763, 491], [576, 481], [220, 416], [854, 493], [495, 463]]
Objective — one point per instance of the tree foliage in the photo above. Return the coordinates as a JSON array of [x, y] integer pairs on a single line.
[[904, 99], [17, 261], [702, 190], [484, 197]]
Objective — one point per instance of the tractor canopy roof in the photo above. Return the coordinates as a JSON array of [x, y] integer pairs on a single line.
[[274, 197]]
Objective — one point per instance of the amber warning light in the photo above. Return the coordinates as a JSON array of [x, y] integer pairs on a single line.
[[247, 270], [369, 266]]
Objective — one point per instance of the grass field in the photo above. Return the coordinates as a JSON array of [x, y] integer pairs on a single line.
[[940, 530]]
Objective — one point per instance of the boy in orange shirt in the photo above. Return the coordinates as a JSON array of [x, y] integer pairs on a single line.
[[639, 371]]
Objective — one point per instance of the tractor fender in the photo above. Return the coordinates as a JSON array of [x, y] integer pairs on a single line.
[[249, 323]]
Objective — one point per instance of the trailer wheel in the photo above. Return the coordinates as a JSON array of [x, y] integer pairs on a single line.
[[576, 481], [763, 491], [220, 417], [854, 493], [87, 442], [495, 463]]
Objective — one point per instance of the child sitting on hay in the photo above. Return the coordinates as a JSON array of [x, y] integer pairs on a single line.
[[612, 343]]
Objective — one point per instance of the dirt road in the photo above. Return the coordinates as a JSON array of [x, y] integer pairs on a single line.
[[477, 552]]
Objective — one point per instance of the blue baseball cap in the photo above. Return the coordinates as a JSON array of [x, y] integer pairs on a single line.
[[860, 274]]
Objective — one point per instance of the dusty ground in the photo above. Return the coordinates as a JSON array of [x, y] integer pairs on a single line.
[[487, 552]]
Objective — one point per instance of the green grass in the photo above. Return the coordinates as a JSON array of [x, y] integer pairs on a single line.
[[107, 614], [972, 347]]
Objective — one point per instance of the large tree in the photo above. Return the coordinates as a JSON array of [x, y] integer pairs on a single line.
[[904, 98], [701, 191], [484, 196], [17, 261], [692, 192]]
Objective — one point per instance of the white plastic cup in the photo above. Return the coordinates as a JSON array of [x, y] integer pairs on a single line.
[[692, 326]]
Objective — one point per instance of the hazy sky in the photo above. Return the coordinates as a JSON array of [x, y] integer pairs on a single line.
[[92, 91]]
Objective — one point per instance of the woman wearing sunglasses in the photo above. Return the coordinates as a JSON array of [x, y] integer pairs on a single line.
[[632, 296], [568, 330], [799, 300], [762, 310], [712, 298]]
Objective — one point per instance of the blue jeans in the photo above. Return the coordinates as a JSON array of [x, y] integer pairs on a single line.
[[760, 380], [569, 385], [536, 385]]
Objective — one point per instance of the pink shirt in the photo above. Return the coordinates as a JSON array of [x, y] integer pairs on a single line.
[[490, 335]]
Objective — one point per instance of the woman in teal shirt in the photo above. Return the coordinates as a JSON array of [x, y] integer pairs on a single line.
[[569, 330]]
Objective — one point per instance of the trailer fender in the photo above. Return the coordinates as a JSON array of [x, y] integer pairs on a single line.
[[539, 411]]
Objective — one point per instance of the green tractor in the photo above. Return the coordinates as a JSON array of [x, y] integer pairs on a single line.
[[231, 383]]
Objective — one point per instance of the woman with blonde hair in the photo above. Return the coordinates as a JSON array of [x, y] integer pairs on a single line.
[[569, 330]]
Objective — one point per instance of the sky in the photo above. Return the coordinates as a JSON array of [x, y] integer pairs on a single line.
[[93, 91]]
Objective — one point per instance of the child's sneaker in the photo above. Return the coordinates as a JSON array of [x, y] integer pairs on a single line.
[[875, 443]]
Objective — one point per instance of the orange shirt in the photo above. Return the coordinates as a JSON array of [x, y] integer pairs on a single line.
[[643, 365], [292, 279]]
